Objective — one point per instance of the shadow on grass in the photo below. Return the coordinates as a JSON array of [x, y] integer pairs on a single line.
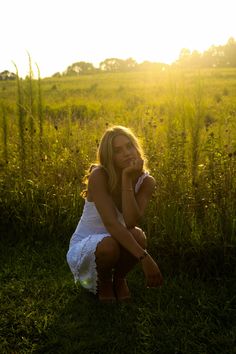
[[42, 311], [87, 326], [185, 316]]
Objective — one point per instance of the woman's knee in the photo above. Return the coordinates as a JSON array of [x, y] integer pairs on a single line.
[[139, 236], [108, 250]]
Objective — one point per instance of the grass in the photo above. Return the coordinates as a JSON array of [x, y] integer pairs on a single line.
[[42, 311], [49, 131], [187, 135]]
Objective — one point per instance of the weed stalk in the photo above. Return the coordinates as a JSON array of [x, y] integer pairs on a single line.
[[4, 133], [31, 108], [21, 123], [40, 114]]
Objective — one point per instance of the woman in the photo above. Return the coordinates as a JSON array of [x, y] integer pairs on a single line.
[[107, 243]]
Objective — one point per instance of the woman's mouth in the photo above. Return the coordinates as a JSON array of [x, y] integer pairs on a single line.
[[129, 160]]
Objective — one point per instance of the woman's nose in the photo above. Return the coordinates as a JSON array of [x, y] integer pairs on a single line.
[[126, 152]]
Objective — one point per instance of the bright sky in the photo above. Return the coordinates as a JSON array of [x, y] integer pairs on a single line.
[[58, 33]]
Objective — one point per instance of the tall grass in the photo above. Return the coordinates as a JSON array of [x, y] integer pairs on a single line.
[[187, 126], [4, 133], [21, 123], [30, 107], [181, 126], [40, 114]]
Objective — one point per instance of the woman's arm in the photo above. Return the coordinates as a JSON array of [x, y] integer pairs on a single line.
[[133, 205], [98, 190]]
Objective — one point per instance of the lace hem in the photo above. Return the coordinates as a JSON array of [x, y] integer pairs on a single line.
[[82, 261]]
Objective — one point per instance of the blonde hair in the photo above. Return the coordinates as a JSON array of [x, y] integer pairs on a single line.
[[105, 154]]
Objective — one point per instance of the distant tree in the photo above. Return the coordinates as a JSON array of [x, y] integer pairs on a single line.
[[111, 65], [80, 68], [129, 64], [184, 57], [7, 75], [185, 53], [196, 58], [151, 66], [118, 65], [57, 74], [230, 52], [208, 58], [214, 57]]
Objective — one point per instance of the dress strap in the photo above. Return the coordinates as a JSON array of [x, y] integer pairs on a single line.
[[140, 181]]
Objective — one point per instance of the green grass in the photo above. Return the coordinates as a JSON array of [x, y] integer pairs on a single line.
[[49, 131], [42, 311], [188, 136]]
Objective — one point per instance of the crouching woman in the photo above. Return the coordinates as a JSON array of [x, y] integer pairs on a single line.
[[107, 242]]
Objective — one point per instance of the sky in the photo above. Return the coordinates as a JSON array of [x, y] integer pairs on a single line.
[[58, 33]]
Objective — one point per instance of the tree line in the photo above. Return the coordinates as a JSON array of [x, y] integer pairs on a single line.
[[215, 56], [110, 65]]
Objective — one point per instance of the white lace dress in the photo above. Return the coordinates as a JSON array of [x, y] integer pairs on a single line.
[[89, 232]]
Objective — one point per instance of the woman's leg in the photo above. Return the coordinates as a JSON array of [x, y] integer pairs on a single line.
[[107, 255], [125, 264]]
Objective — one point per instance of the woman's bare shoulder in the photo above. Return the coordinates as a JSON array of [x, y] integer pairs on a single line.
[[98, 176], [98, 171]]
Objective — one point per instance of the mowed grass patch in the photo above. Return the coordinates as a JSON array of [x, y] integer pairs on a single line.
[[42, 311]]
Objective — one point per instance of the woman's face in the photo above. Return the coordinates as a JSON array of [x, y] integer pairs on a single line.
[[123, 152]]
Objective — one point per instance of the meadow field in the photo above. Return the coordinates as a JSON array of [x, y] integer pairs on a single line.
[[49, 131]]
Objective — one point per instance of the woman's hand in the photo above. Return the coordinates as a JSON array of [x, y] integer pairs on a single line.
[[152, 272], [135, 167]]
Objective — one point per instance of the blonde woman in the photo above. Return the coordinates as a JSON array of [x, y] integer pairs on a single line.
[[107, 242]]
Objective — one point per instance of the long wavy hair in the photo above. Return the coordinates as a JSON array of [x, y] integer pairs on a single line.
[[105, 155]]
